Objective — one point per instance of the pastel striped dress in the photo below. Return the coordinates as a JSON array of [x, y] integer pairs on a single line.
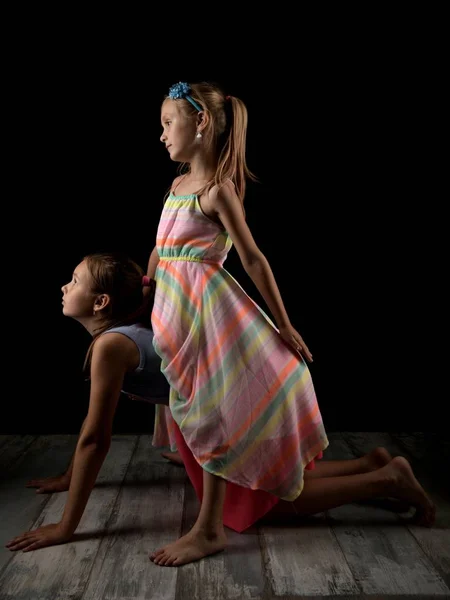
[[243, 401]]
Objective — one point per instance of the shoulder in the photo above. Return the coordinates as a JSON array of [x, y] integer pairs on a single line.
[[113, 349], [175, 182], [224, 195], [229, 209], [224, 201]]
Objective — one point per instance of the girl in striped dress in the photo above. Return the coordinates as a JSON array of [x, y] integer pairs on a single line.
[[243, 411]]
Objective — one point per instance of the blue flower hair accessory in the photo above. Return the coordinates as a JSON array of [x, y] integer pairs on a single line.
[[183, 90]]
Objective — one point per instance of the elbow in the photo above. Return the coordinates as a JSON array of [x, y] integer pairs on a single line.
[[254, 262]]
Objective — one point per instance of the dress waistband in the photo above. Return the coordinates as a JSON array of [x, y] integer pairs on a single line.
[[189, 259]]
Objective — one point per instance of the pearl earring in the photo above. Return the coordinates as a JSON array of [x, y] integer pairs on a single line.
[[199, 135]]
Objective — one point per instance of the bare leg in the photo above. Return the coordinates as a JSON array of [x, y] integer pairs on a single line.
[[395, 479], [379, 457], [328, 468], [207, 535]]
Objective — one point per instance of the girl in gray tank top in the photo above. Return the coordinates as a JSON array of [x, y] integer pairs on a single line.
[[106, 296]]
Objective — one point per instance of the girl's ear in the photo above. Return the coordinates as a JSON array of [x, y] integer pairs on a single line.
[[102, 301], [202, 120]]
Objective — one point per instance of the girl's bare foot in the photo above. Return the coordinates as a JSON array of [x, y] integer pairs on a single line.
[[192, 546], [404, 486], [378, 458], [174, 457]]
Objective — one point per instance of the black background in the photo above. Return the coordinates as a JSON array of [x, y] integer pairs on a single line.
[[341, 137]]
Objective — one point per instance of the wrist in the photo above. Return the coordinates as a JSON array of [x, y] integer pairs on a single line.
[[66, 529]]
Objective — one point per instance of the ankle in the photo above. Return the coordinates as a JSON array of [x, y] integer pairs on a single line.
[[366, 464], [209, 530]]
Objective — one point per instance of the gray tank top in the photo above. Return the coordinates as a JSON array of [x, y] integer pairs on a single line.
[[147, 382]]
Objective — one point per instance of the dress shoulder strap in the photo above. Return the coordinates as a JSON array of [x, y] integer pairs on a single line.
[[177, 182]]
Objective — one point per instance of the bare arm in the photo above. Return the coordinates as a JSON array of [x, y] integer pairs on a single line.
[[107, 372], [152, 263], [110, 361], [68, 473], [149, 291], [229, 210]]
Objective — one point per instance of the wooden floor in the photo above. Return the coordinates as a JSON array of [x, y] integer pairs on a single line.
[[141, 502]]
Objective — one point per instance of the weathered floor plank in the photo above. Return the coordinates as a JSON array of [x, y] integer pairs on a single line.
[[435, 541], [148, 514], [360, 551], [62, 571], [21, 506], [306, 559], [382, 554], [236, 573], [360, 597]]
